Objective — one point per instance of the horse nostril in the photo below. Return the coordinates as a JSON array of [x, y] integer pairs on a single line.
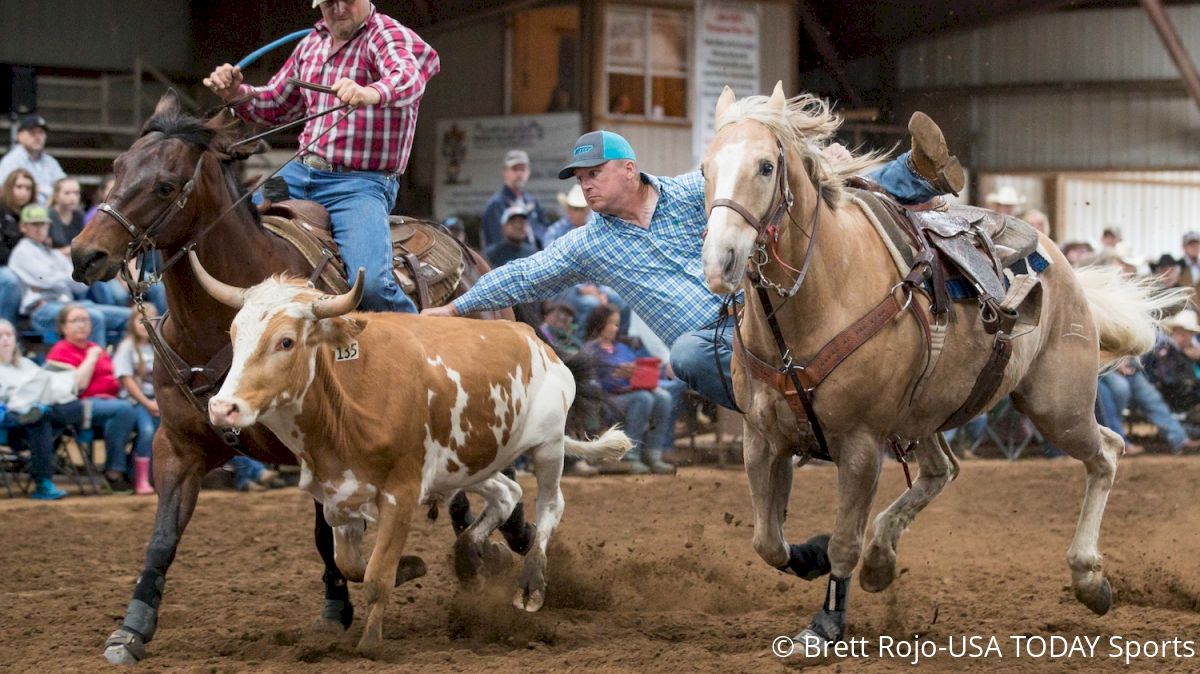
[[727, 268]]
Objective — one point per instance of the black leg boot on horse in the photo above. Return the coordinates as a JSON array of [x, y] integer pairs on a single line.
[[518, 533]]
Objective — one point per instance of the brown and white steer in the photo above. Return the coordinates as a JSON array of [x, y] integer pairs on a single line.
[[387, 411]]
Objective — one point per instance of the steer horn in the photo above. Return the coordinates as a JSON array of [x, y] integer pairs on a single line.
[[339, 305], [222, 292]]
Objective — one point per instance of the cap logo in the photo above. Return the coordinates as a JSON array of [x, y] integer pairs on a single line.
[[583, 149]]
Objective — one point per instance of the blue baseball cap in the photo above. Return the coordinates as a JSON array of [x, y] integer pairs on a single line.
[[594, 148]]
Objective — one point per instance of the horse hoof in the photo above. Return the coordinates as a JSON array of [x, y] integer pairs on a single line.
[[123, 647], [1098, 601], [411, 567], [468, 560], [878, 571], [809, 641], [529, 601]]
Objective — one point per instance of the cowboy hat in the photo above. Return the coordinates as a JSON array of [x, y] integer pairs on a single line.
[[1006, 196], [573, 198], [1185, 319]]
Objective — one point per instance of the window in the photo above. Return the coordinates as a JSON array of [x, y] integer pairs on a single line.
[[646, 63], [546, 60]]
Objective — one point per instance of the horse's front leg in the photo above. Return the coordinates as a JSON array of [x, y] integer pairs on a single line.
[[178, 469], [858, 475]]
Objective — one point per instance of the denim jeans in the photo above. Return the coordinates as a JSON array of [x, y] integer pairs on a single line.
[[38, 438], [10, 295], [675, 389], [693, 362], [899, 180], [1107, 412], [107, 321], [117, 418], [1135, 388], [146, 425], [245, 470], [358, 203], [647, 419], [584, 304]]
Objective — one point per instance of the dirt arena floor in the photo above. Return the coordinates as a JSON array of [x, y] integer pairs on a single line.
[[648, 574]]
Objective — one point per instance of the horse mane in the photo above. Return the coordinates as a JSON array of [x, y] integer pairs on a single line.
[[214, 135], [807, 124]]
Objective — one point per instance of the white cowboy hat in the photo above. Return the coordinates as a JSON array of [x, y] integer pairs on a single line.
[[1124, 252], [1185, 319], [1006, 196], [573, 198]]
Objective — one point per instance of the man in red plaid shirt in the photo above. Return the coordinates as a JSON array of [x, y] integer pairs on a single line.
[[370, 61]]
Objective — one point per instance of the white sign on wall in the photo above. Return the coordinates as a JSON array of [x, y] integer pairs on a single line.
[[470, 158], [726, 54]]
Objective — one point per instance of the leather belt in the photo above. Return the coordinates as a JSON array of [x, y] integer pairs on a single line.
[[318, 162]]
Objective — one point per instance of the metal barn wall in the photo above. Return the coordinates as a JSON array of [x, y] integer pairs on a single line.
[[1153, 210], [101, 34], [1001, 91]]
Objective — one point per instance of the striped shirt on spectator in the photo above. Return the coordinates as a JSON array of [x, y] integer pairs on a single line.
[[384, 55], [657, 270]]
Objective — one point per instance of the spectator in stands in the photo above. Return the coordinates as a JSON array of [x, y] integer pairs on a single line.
[[30, 154], [252, 475], [1037, 219], [647, 412], [512, 194], [560, 101], [1078, 253], [514, 243], [1005, 200], [1172, 365], [558, 328], [100, 195], [133, 365], [1110, 237], [1167, 270], [46, 274], [16, 193], [457, 228], [32, 397], [97, 387], [575, 214], [1189, 264], [66, 218]]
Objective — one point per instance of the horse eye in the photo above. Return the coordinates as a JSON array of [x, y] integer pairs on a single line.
[[766, 168], [285, 344], [164, 189]]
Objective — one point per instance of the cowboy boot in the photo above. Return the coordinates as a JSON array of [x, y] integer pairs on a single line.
[[930, 157]]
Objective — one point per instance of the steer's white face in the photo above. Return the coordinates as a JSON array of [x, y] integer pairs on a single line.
[[276, 340]]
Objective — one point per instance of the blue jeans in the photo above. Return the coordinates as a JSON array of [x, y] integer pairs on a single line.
[[245, 470], [146, 424], [358, 203], [898, 179], [38, 438], [675, 389], [116, 417], [693, 362], [1135, 388], [584, 304], [647, 419], [10, 295], [106, 320]]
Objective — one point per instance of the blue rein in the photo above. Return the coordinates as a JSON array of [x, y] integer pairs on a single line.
[[257, 53]]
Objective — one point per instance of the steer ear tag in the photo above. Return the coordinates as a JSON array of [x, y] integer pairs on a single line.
[[348, 352]]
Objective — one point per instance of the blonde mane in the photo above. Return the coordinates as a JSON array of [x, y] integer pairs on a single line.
[[807, 125]]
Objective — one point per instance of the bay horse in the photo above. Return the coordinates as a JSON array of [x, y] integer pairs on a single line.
[[173, 151], [1088, 319]]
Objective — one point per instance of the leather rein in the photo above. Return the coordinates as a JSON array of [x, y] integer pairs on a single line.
[[798, 381]]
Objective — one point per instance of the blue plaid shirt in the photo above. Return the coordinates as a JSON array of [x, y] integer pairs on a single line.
[[657, 270]]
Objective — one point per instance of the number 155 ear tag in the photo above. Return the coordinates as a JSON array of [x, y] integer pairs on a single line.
[[348, 352]]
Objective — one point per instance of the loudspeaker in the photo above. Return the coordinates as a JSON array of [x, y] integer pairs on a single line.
[[23, 90]]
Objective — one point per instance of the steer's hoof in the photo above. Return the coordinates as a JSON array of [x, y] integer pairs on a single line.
[[411, 567], [123, 647], [529, 600], [497, 560]]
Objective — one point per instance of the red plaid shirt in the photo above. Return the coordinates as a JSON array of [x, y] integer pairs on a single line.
[[384, 55]]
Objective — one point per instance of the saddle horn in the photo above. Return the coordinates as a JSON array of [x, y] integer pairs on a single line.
[[224, 293], [340, 305]]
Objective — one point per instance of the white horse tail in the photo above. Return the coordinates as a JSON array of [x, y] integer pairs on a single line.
[[1126, 311], [612, 444]]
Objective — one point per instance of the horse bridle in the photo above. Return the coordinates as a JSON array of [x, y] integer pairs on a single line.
[[144, 239]]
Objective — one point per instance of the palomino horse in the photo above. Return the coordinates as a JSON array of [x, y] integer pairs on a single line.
[[1088, 319], [174, 150]]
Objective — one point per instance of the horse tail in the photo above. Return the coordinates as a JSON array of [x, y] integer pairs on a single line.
[[1126, 311]]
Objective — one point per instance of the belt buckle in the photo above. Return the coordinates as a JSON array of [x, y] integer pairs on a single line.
[[316, 161]]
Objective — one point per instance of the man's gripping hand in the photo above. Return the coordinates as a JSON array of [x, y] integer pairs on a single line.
[[225, 81], [349, 91], [447, 310]]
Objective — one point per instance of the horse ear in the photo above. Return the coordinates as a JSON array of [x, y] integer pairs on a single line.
[[168, 103], [245, 150], [727, 99], [778, 99]]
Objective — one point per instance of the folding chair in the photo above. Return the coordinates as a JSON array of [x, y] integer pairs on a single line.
[[74, 456], [1009, 430], [12, 465]]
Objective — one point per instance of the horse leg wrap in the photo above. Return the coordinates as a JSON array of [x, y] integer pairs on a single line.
[[460, 513], [337, 600], [142, 615], [809, 560], [830, 621], [517, 532]]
